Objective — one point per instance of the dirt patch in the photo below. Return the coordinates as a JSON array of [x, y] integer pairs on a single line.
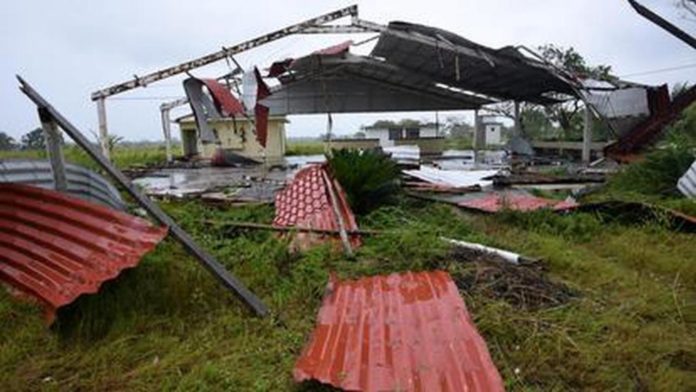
[[525, 285]]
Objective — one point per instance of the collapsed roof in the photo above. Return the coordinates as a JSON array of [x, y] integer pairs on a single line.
[[412, 67]]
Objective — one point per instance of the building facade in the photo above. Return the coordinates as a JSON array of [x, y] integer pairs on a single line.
[[237, 136]]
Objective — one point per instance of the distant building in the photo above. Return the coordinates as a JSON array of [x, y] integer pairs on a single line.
[[238, 137], [492, 131], [388, 136]]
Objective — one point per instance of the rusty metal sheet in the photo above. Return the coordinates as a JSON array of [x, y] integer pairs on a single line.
[[55, 247], [305, 203], [402, 332], [227, 104], [494, 202]]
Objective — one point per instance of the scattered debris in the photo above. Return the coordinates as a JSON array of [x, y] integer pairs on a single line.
[[516, 201], [308, 202], [452, 178], [687, 183], [535, 178], [215, 184], [299, 229], [408, 156], [401, 332], [634, 212], [508, 256], [525, 285], [55, 247], [81, 182]]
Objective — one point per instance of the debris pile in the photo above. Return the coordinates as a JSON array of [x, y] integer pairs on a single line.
[[523, 285], [315, 200]]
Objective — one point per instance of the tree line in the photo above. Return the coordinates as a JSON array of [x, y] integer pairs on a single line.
[[32, 140]]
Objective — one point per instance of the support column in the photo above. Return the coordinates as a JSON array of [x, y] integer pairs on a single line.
[[479, 136], [587, 137], [103, 130], [167, 130], [517, 130], [55, 151]]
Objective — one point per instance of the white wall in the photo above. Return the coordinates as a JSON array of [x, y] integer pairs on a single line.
[[493, 132]]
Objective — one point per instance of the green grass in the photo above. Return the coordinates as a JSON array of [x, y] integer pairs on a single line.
[[121, 156], [304, 147], [168, 325]]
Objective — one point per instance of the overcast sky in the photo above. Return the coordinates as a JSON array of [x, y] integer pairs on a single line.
[[67, 49]]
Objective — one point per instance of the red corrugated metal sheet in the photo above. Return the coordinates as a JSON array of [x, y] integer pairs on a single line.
[[55, 247], [228, 105], [305, 202], [334, 50], [402, 332], [494, 202]]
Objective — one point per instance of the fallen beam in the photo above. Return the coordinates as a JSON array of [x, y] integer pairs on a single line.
[[285, 229], [664, 23], [229, 281]]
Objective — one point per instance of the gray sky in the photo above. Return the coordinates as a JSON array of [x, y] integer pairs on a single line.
[[67, 49]]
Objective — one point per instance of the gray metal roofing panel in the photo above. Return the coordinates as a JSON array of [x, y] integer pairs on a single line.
[[503, 73], [82, 182]]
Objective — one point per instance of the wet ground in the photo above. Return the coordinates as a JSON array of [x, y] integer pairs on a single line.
[[244, 183]]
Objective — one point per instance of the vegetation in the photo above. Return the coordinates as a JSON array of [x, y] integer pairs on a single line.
[[122, 157], [615, 307], [655, 178], [304, 147], [369, 178], [167, 324]]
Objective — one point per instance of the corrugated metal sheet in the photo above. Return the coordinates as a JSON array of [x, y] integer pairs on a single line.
[[82, 182], [687, 182], [55, 247], [494, 202], [402, 332], [453, 178], [306, 203]]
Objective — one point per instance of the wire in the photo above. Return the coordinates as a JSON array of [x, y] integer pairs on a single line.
[[661, 70]]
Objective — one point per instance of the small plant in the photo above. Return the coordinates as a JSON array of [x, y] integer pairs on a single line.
[[369, 178]]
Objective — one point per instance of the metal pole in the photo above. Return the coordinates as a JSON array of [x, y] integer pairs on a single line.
[[54, 149], [103, 130], [225, 52], [587, 137], [167, 130], [518, 126]]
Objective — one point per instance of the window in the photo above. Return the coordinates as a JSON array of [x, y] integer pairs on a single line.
[[395, 134], [412, 133]]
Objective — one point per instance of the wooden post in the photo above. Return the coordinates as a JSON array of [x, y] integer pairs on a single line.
[[55, 151], [587, 137], [339, 218], [167, 130], [103, 129]]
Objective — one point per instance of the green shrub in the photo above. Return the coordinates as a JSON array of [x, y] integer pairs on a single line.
[[658, 174], [369, 178]]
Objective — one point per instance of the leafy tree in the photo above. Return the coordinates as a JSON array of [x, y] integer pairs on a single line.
[[566, 117], [7, 142], [359, 135], [34, 140], [458, 128]]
